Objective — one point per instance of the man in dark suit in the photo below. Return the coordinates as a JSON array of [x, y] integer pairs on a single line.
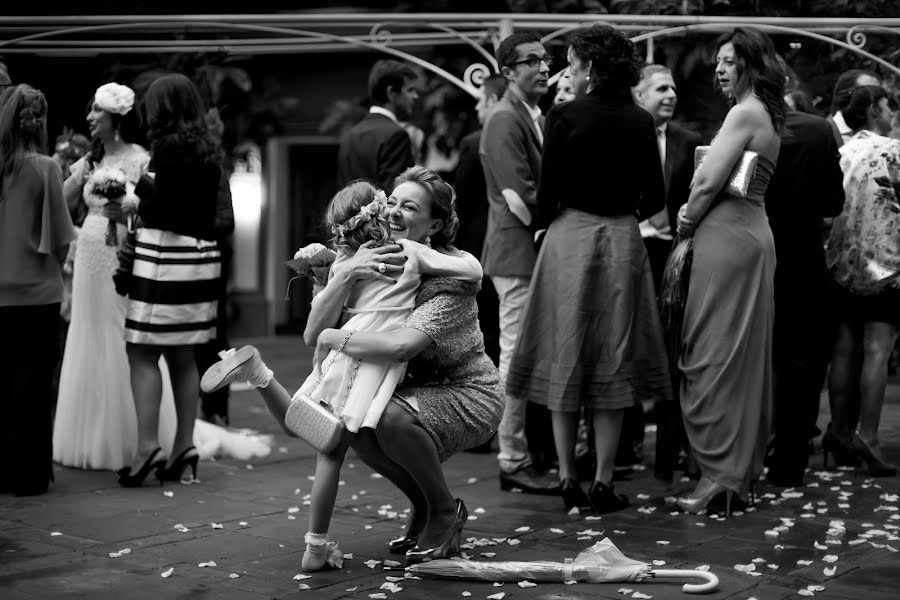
[[377, 148], [510, 152], [656, 94], [472, 209], [806, 187]]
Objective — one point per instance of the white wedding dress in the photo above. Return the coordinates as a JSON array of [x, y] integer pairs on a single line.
[[95, 425]]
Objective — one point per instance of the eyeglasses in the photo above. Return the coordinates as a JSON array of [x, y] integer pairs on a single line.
[[533, 62]]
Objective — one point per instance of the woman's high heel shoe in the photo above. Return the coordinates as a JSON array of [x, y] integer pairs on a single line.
[[573, 496], [706, 492], [176, 470], [603, 498], [450, 547], [407, 541], [842, 453], [154, 461], [876, 466]]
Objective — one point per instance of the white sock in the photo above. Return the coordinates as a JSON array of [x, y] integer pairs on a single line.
[[261, 376], [315, 539]]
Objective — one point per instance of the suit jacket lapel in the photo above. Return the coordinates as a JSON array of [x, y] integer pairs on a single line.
[[519, 105]]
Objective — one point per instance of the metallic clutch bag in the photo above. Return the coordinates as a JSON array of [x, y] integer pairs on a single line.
[[314, 423], [738, 183]]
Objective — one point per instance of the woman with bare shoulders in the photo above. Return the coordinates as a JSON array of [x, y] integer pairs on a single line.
[[726, 360]]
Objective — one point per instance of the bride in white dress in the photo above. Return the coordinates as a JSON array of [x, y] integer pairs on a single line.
[[95, 425]]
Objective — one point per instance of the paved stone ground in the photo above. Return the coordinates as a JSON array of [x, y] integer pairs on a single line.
[[59, 545]]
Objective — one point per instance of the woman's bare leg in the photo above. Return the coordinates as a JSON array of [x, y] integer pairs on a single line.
[[186, 392], [878, 341], [842, 381], [565, 434], [146, 388], [406, 443], [607, 428], [366, 446]]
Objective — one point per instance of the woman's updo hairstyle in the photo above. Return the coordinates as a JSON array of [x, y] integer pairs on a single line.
[[615, 67], [856, 111], [345, 205], [23, 125], [443, 202]]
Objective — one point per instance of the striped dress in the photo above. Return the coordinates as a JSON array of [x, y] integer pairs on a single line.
[[172, 300], [175, 278]]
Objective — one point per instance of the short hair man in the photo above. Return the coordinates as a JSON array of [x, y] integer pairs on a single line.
[[846, 83], [656, 93], [510, 151], [806, 187], [472, 209], [378, 148]]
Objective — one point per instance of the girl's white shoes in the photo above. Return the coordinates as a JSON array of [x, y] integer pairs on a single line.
[[236, 365]]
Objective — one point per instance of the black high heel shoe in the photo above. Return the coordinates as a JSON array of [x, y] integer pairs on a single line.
[[842, 454], [604, 499], [175, 472], [406, 542], [573, 495], [450, 547], [154, 461], [876, 466]]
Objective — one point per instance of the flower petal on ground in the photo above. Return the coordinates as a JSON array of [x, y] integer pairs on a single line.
[[165, 574]]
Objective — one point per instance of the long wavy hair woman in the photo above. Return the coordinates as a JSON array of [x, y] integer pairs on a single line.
[[726, 360], [35, 232]]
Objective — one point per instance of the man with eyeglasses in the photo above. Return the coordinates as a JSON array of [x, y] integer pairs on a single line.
[[510, 151]]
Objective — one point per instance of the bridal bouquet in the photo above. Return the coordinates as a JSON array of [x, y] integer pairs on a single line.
[[109, 183]]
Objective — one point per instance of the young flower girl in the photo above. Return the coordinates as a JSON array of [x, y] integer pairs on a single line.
[[356, 390]]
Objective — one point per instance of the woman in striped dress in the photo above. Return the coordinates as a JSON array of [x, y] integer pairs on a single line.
[[172, 291]]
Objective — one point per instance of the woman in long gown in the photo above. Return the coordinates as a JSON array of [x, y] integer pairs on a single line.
[[95, 425], [726, 361]]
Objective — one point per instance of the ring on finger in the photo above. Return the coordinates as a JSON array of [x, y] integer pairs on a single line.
[[382, 267]]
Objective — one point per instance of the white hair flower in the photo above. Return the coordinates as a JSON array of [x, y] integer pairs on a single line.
[[114, 98]]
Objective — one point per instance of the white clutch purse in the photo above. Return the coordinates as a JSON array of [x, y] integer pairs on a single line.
[[738, 183]]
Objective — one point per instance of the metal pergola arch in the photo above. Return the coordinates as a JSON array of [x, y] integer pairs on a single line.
[[396, 34]]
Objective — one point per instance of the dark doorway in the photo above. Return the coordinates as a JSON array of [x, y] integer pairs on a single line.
[[313, 177]]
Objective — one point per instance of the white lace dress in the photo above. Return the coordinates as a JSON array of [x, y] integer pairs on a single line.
[[95, 425]]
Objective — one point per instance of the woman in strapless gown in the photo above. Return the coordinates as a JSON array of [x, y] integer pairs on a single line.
[[726, 359]]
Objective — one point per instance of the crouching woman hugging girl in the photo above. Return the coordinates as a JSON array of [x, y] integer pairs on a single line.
[[450, 398]]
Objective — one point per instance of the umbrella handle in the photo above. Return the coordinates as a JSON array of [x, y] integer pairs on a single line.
[[711, 581]]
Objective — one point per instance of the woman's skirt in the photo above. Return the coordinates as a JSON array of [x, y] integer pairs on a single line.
[[590, 334], [173, 295]]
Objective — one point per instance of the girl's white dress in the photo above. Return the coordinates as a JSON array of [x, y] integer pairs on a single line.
[[95, 425], [359, 390]]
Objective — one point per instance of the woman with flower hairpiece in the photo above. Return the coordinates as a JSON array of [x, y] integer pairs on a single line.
[[95, 420], [35, 232], [357, 388]]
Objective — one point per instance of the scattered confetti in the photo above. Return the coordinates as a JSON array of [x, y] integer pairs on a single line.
[[165, 574]]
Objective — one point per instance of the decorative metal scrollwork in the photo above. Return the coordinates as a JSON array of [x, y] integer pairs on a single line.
[[475, 74], [380, 34], [856, 37]]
